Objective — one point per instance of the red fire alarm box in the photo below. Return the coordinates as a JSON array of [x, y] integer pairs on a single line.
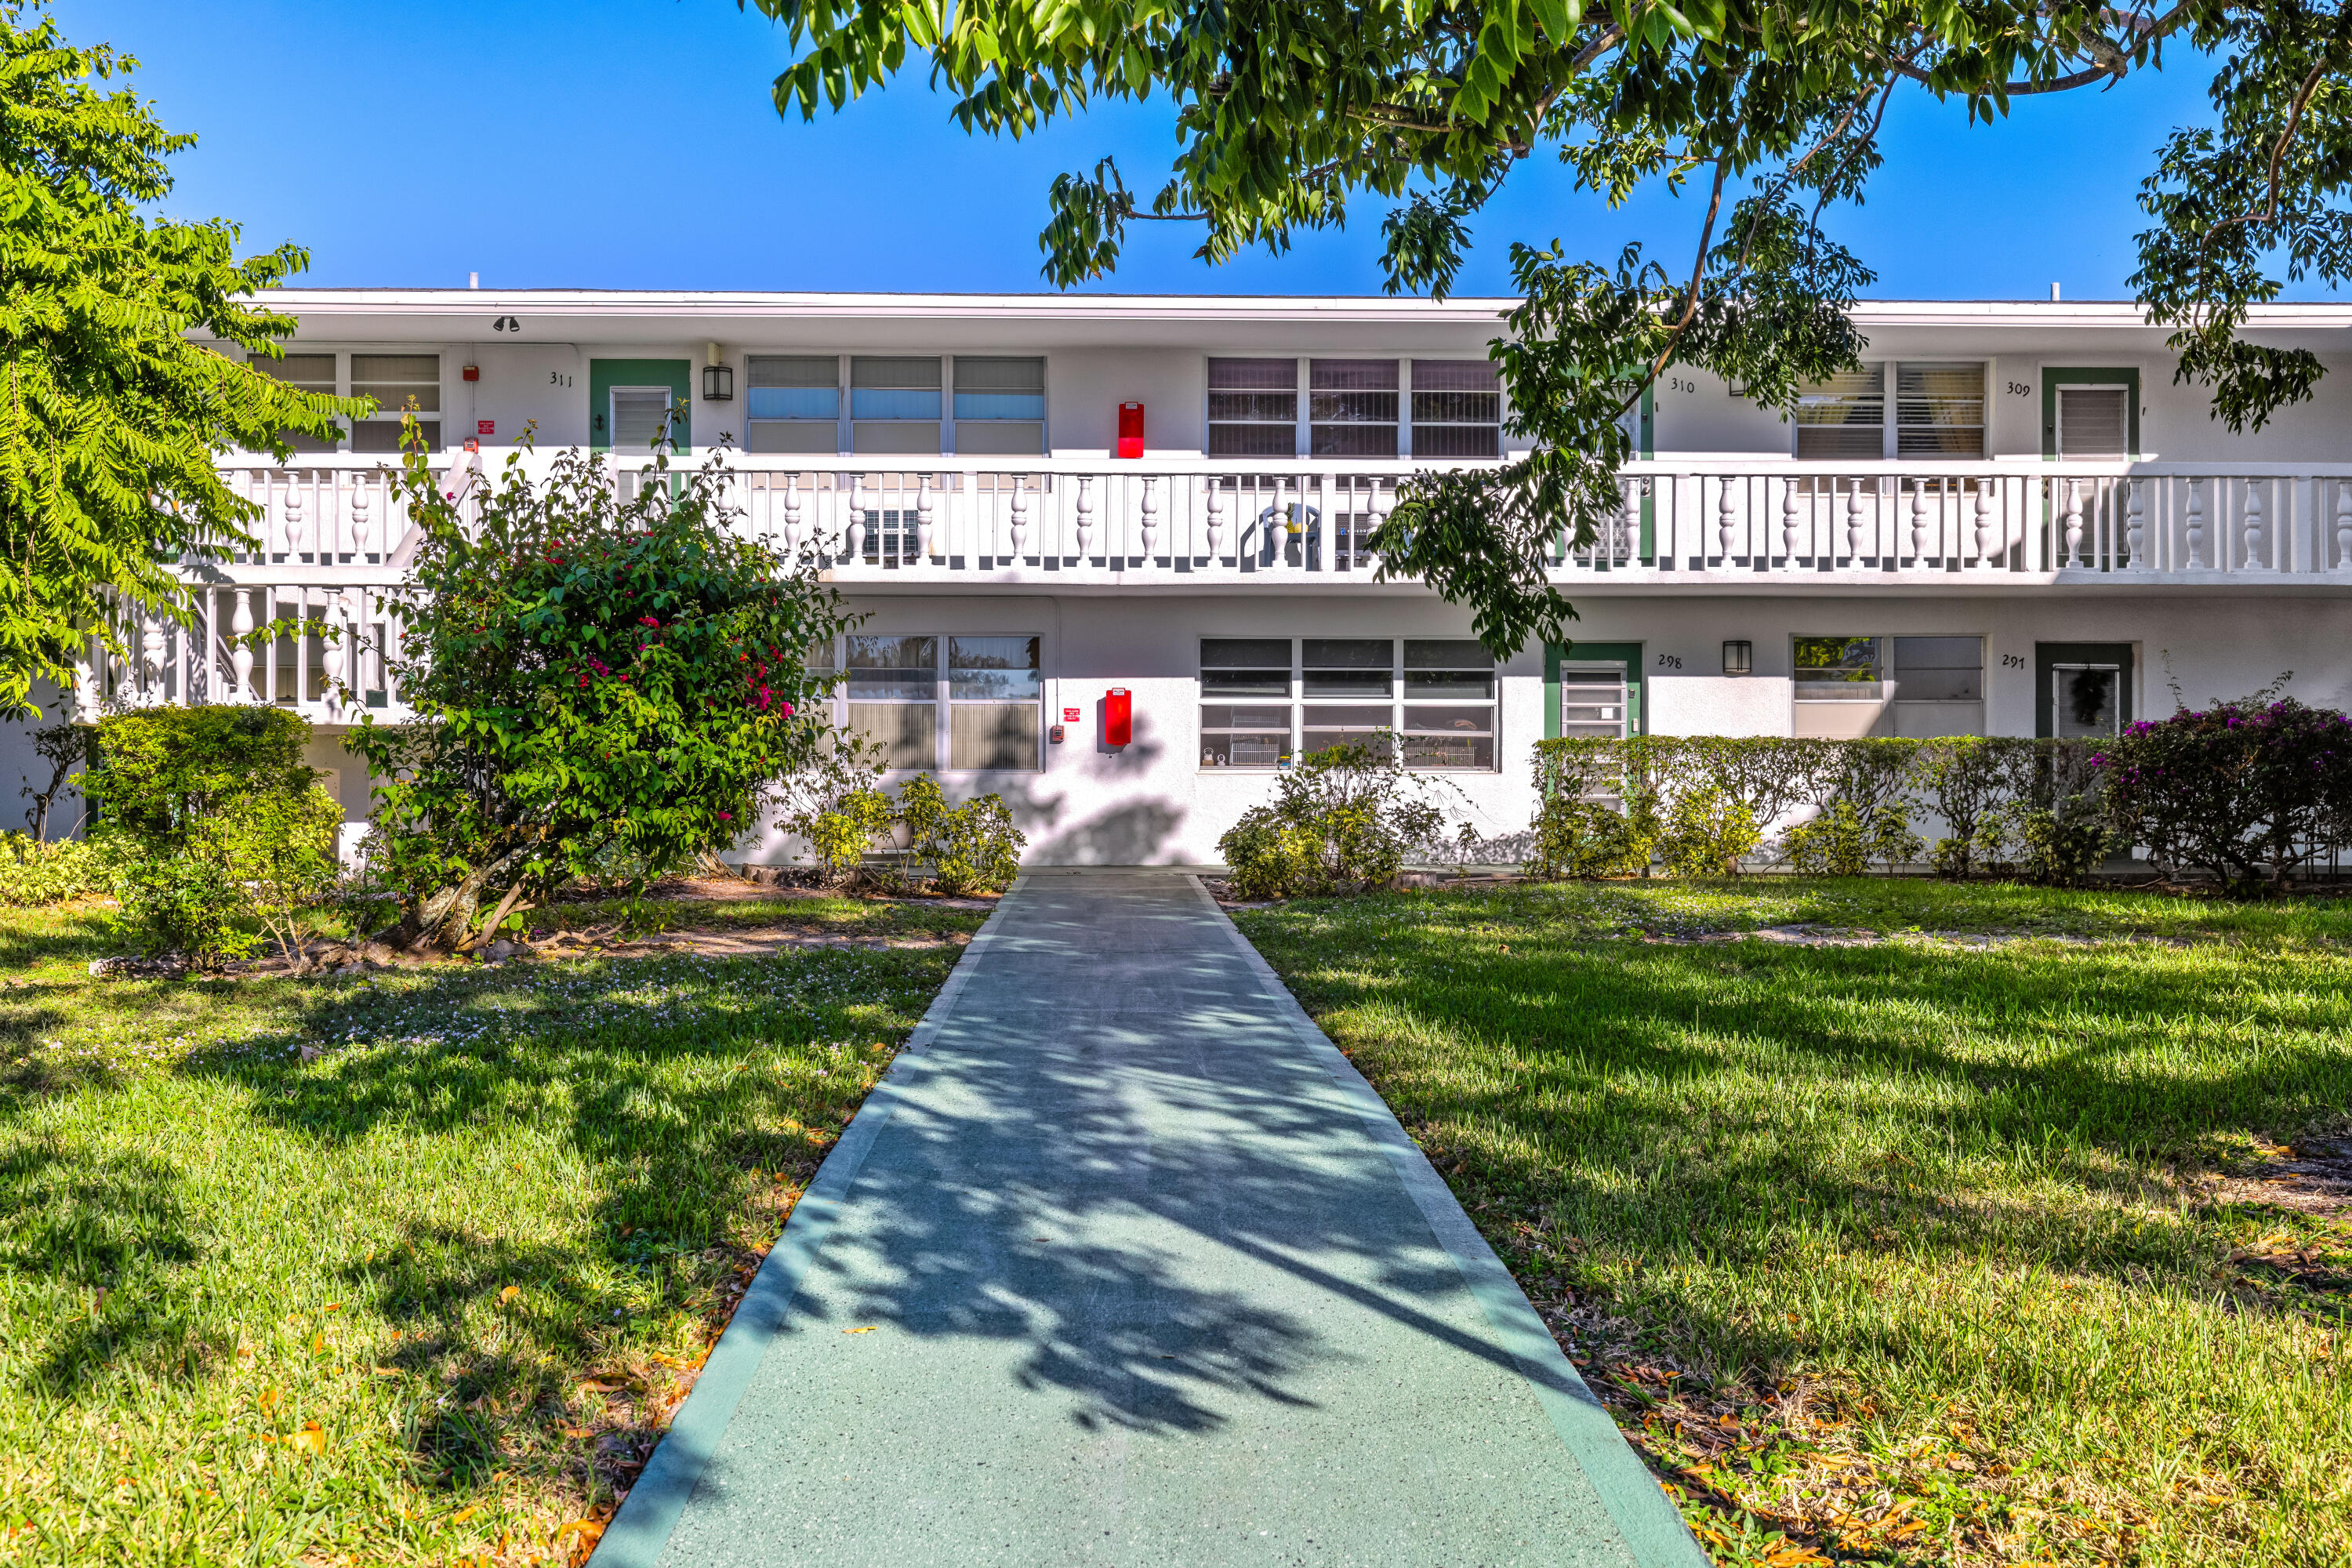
[[1131, 430], [1118, 717], [473, 373]]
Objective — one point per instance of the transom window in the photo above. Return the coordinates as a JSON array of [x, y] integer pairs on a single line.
[[953, 703], [1266, 700]]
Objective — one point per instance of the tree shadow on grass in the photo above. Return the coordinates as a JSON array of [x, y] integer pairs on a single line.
[[98, 1235]]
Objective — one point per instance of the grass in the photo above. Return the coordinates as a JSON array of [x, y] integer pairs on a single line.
[[1913, 1253], [408, 1268]]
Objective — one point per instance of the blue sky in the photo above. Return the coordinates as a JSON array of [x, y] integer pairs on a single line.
[[632, 144]]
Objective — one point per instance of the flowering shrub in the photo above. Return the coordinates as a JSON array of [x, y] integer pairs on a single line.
[[590, 677], [1341, 822], [2245, 792]]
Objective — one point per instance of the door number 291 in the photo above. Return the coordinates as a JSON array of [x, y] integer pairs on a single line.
[[2012, 661]]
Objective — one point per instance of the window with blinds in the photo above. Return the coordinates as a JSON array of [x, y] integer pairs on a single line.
[[306, 372], [895, 404], [1457, 408], [1939, 410], [792, 402], [1352, 407], [401, 385], [968, 704], [1432, 698], [1000, 406], [1252, 407], [1844, 416], [641, 417]]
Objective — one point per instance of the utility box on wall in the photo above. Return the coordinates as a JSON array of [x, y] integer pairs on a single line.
[[1118, 717], [1131, 430]]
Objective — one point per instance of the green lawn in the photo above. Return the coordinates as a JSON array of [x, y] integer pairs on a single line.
[[399, 1268], [1911, 1253]]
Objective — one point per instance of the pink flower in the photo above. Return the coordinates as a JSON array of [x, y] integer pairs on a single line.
[[786, 708], [726, 816]]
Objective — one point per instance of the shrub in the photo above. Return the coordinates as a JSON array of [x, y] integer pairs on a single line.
[[65, 747], [1342, 821], [214, 820], [33, 872], [972, 848], [1708, 829], [2245, 792], [975, 847], [590, 677], [1867, 819]]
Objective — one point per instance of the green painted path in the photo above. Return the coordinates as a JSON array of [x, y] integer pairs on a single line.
[[1151, 1275]]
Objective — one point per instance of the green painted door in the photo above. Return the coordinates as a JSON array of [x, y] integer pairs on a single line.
[[617, 389]]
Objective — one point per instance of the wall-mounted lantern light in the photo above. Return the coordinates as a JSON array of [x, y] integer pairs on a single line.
[[1738, 658], [718, 378]]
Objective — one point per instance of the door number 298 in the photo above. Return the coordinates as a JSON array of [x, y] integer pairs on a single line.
[[1670, 661]]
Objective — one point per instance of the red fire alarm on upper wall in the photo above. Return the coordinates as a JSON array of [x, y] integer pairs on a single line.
[[1131, 430], [473, 373], [1118, 717]]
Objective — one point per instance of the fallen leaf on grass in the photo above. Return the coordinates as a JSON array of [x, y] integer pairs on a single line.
[[509, 1293], [867, 1329], [577, 1431], [311, 1440], [267, 1398], [387, 1371], [603, 1385]]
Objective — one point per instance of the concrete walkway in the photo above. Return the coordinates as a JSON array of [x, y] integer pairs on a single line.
[[1123, 1263]]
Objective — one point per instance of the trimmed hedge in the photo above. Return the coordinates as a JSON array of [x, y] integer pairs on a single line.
[[1707, 805]]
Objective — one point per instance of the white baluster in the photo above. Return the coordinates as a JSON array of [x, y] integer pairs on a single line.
[[1853, 524], [857, 508], [1382, 504], [240, 658], [2252, 529], [289, 539], [1722, 519], [1216, 521], [2135, 511], [1020, 521], [332, 655], [150, 662], [1984, 524], [2073, 523], [363, 494], [2343, 525], [1086, 517], [1918, 521], [86, 694], [923, 522], [792, 517], [2197, 525], [1788, 525], [1150, 518]]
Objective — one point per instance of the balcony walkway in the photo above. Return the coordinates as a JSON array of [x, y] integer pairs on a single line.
[[1147, 1275]]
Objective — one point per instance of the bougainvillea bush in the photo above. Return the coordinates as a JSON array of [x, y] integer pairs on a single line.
[[2245, 792], [590, 677]]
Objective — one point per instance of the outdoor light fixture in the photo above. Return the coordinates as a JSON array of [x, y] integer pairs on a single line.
[[717, 379], [1738, 658]]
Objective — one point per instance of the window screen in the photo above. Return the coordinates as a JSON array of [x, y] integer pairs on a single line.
[[310, 373], [1457, 408], [1939, 410], [890, 686], [1000, 406], [1844, 416], [1235, 731], [1449, 707], [1939, 669], [1252, 407], [1351, 406], [1837, 670], [401, 385], [2094, 422], [793, 403], [993, 692], [894, 404]]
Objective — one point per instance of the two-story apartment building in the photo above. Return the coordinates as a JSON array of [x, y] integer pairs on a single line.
[[2010, 522]]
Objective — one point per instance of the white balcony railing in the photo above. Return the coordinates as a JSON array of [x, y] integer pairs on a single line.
[[332, 532]]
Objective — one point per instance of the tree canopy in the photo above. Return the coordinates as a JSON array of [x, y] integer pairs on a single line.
[[112, 418], [1286, 112]]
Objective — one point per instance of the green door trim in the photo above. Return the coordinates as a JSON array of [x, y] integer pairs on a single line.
[[604, 374], [1629, 653], [2052, 379], [2048, 655]]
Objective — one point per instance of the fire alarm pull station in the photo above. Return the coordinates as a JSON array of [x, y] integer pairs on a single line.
[[1131, 430], [1055, 734], [1118, 717]]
